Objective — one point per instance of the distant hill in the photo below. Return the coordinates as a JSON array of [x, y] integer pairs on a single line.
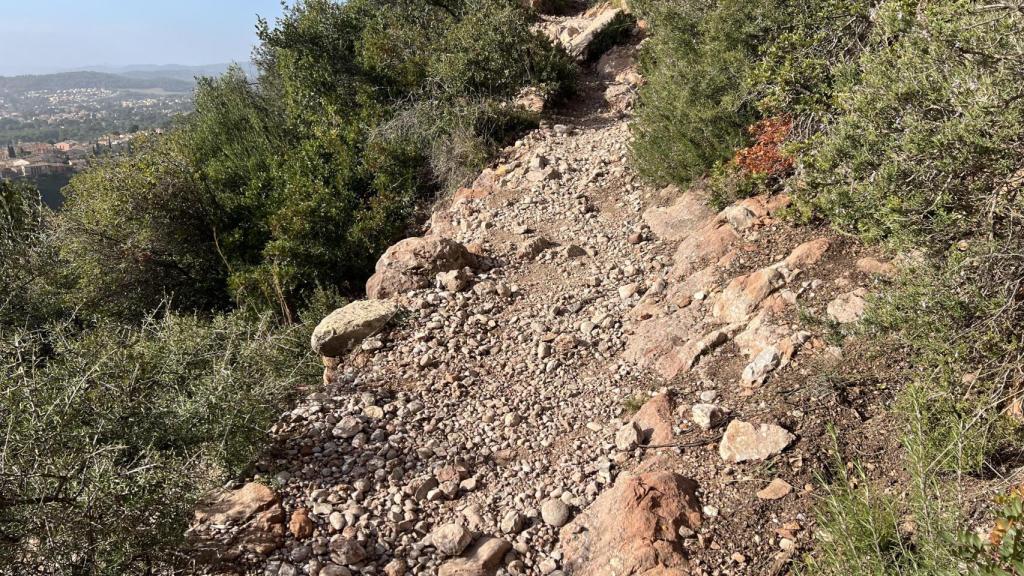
[[176, 71], [72, 80]]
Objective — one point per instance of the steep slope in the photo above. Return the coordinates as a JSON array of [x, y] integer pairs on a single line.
[[601, 350]]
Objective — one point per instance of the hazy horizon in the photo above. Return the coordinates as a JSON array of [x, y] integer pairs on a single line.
[[92, 34]]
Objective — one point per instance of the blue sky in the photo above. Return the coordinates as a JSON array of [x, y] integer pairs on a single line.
[[40, 36]]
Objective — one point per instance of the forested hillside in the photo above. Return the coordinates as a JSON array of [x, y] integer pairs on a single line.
[[664, 286]]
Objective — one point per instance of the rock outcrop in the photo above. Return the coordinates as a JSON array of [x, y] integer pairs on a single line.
[[634, 528], [230, 523]]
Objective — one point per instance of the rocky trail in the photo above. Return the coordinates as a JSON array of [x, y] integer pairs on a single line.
[[570, 372]]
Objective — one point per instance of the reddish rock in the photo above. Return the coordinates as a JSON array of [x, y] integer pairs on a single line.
[[233, 506], [807, 254], [466, 194], [760, 333], [745, 293], [300, 525], [709, 243], [634, 528], [654, 419], [776, 489], [413, 263], [255, 512], [672, 223]]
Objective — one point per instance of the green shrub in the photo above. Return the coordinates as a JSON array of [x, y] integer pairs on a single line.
[[1002, 552], [927, 146], [137, 230], [812, 54], [112, 433], [694, 104], [28, 280], [491, 51]]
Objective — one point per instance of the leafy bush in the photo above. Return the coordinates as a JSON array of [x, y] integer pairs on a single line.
[[273, 188], [694, 104], [714, 67], [111, 434], [1002, 552], [927, 148], [135, 231]]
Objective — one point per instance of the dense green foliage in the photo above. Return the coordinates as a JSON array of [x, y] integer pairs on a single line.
[[119, 429], [362, 112], [153, 329], [715, 67]]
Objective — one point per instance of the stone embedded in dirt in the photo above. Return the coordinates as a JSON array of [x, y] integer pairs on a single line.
[[678, 221], [744, 441], [634, 528], [455, 280], [396, 567], [480, 560], [755, 373], [256, 513], [876, 267], [347, 427], [807, 254], [628, 437], [655, 420], [627, 291], [512, 522], [683, 358], [235, 506], [761, 332], [776, 489], [554, 512], [849, 307], [739, 216], [451, 539], [742, 295], [300, 525], [543, 174], [346, 551], [532, 248], [414, 262], [344, 328], [707, 416], [573, 251], [619, 65]]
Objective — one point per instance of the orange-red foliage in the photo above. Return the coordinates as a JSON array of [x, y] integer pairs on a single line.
[[766, 155]]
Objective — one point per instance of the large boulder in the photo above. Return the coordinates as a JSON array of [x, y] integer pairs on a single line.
[[346, 327], [634, 528], [413, 263], [605, 20]]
